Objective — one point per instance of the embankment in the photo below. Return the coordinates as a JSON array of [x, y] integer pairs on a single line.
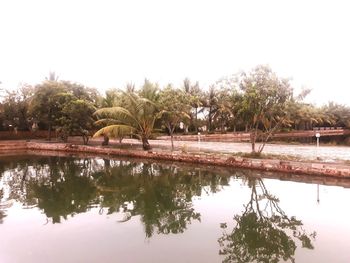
[[292, 167]]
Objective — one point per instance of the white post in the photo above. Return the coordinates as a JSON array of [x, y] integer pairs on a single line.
[[318, 135], [199, 141]]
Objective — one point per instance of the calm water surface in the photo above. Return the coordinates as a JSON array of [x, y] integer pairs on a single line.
[[64, 209]]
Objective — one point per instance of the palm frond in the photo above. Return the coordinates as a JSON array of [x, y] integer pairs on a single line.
[[106, 122], [115, 131], [118, 114]]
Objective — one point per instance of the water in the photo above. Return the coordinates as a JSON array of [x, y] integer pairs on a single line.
[[64, 209]]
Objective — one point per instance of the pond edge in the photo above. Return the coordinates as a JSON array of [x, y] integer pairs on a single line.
[[275, 165]]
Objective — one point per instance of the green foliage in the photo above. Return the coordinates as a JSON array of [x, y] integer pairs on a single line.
[[174, 106], [114, 131], [257, 101], [65, 105], [338, 115], [43, 106], [195, 97], [137, 113], [63, 187], [110, 99], [77, 118], [14, 109], [265, 100], [221, 106], [149, 91]]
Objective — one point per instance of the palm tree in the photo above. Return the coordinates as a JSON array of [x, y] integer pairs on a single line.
[[137, 116], [211, 103], [337, 113], [225, 109], [195, 96]]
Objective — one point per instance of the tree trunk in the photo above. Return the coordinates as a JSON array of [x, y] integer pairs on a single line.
[[105, 140], [252, 140], [196, 120], [172, 141], [145, 144], [171, 129], [85, 139], [49, 136], [209, 119]]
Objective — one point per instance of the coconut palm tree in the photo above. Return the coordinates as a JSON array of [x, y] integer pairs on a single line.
[[225, 109], [137, 116]]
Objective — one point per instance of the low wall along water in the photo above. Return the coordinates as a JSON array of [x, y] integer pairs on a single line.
[[310, 168]]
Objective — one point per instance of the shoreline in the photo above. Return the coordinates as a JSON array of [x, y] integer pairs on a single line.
[[212, 159]]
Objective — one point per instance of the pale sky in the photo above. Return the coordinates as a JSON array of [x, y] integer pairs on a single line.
[[106, 44]]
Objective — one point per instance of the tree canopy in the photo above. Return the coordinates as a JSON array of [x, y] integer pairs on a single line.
[[256, 101], [137, 116]]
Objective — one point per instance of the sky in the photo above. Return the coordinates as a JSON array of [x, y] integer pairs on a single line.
[[109, 43]]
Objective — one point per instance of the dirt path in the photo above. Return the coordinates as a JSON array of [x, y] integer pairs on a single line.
[[303, 152], [308, 152]]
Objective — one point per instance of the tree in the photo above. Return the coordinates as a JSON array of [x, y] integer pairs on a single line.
[[66, 106], [304, 116], [137, 116], [211, 104], [226, 108], [195, 96], [15, 108], [110, 99], [339, 115], [174, 107], [265, 98], [77, 118], [149, 91], [229, 104], [76, 106], [44, 106]]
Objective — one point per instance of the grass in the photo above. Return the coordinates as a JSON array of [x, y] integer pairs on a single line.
[[267, 156]]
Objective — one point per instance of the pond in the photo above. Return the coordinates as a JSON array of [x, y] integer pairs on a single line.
[[74, 209]]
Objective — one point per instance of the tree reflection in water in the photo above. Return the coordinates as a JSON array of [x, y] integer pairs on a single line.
[[2, 207], [263, 232], [161, 195]]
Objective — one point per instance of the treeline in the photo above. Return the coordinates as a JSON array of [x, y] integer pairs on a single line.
[[257, 101]]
